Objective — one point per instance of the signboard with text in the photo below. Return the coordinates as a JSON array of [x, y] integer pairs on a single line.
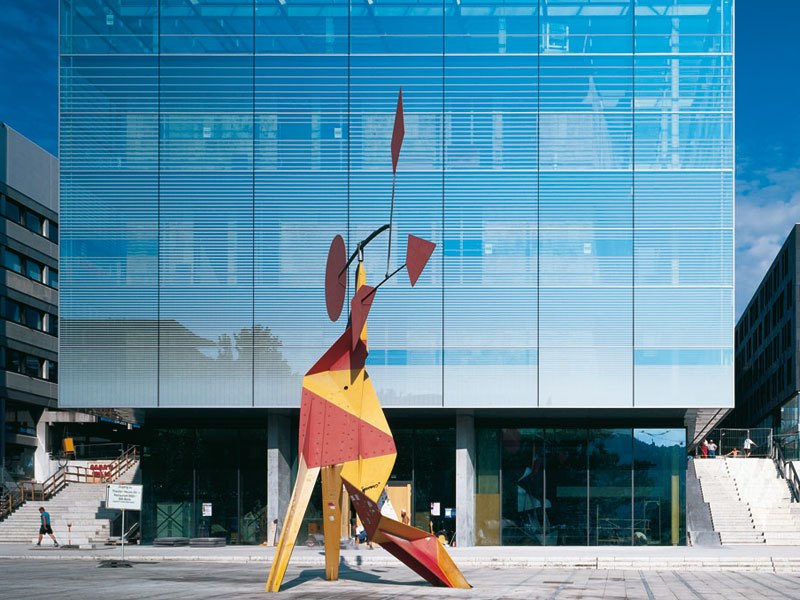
[[124, 496]]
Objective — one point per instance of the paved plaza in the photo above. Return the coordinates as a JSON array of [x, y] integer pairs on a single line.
[[81, 580], [566, 573]]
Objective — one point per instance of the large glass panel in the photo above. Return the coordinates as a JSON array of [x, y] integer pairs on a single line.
[[435, 480], [225, 468], [490, 241], [109, 203], [610, 487], [399, 45], [206, 204], [566, 477], [523, 516], [488, 469], [683, 248], [301, 185], [659, 479], [585, 204]]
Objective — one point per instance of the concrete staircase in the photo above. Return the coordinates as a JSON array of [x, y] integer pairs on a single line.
[[82, 504], [769, 498], [749, 502]]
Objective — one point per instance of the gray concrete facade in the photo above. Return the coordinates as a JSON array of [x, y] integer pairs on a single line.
[[279, 467], [465, 480], [28, 168]]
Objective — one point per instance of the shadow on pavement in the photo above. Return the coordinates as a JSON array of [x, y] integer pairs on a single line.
[[348, 573]]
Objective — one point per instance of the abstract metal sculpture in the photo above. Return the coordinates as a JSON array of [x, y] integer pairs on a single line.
[[344, 435]]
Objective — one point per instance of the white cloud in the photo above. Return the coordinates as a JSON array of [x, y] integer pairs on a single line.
[[767, 206]]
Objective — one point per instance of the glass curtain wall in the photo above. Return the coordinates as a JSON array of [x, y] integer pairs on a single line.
[[683, 257], [585, 204], [571, 160], [490, 247], [206, 202], [108, 152], [301, 185], [394, 45], [554, 487]]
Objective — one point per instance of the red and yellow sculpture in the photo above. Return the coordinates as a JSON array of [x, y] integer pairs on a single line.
[[344, 436]]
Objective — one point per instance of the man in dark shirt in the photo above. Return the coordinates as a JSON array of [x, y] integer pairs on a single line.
[[45, 527]]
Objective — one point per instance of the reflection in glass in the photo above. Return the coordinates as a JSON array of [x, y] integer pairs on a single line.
[[222, 467], [488, 458], [610, 480], [659, 481], [581, 487], [523, 507], [566, 487]]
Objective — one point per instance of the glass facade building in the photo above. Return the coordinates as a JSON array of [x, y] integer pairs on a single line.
[[572, 160]]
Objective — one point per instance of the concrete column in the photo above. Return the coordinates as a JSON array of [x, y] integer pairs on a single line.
[[42, 465], [2, 438], [279, 468], [465, 480]]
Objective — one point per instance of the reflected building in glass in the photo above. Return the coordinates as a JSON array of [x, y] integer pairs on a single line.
[[573, 162]]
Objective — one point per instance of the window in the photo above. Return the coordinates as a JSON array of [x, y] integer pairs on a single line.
[[32, 366], [33, 222], [52, 325], [14, 211], [12, 260], [33, 318], [33, 270], [13, 361], [52, 278], [52, 371], [13, 311], [52, 231], [30, 220]]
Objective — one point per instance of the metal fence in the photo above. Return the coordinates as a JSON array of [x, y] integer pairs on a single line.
[[733, 442], [98, 451]]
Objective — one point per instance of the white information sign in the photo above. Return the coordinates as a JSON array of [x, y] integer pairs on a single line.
[[124, 496], [207, 509]]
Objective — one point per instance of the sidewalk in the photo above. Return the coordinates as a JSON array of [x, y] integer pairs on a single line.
[[776, 559]]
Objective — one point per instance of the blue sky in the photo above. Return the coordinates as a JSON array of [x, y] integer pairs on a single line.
[[767, 119]]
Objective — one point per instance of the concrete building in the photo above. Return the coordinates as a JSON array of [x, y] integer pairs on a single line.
[[571, 337], [28, 302], [767, 352]]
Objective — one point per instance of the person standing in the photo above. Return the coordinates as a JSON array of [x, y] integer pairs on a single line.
[[704, 448], [45, 527], [748, 445], [404, 517], [712, 449]]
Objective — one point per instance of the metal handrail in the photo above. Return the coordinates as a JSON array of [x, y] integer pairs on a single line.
[[787, 471], [29, 490]]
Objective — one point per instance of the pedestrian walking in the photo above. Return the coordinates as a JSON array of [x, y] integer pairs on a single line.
[[45, 527], [748, 445], [712, 449]]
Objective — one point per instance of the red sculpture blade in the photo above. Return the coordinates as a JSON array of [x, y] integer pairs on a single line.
[[418, 252], [399, 131], [335, 278]]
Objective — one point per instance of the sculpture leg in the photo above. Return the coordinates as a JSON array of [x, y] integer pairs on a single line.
[[303, 486], [417, 549], [332, 518]]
